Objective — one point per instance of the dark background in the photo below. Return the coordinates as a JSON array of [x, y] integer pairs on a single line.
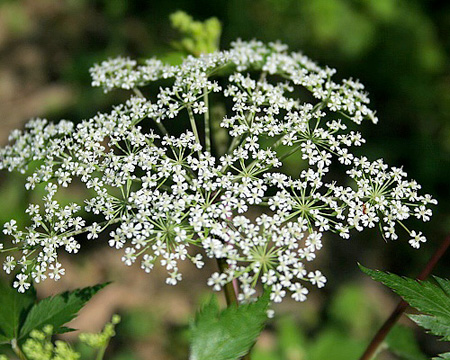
[[399, 49]]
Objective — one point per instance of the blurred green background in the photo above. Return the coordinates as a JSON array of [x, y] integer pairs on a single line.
[[400, 49]]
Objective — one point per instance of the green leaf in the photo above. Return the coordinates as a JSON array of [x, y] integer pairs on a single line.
[[428, 297], [227, 335], [402, 342], [58, 310], [422, 295], [14, 307], [445, 356], [443, 283], [434, 324]]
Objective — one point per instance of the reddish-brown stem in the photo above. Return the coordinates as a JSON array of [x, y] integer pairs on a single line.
[[230, 290], [402, 305]]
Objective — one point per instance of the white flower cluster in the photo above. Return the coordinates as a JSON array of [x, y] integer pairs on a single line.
[[165, 198]]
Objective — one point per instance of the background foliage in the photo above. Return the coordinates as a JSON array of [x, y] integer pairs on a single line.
[[400, 49]]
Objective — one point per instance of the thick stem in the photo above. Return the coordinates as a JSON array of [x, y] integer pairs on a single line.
[[207, 122], [230, 293], [228, 289], [17, 350], [289, 153], [162, 128], [101, 352], [193, 125], [402, 305]]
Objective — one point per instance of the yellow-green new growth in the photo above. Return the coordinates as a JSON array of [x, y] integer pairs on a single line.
[[199, 37], [101, 340], [40, 347]]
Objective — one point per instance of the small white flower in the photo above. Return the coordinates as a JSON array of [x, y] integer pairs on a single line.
[[56, 271], [299, 292], [9, 264], [316, 278], [9, 227], [21, 284], [277, 293], [216, 281], [416, 239]]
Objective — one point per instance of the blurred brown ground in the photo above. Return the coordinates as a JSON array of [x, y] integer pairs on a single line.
[[29, 53]]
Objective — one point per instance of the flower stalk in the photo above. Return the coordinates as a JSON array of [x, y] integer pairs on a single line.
[[230, 293], [15, 347]]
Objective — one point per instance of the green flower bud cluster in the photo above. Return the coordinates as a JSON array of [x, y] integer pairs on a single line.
[[101, 340], [199, 37], [39, 345]]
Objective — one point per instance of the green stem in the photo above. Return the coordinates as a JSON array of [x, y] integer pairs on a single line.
[[194, 127], [230, 294], [233, 145], [101, 352], [138, 93], [86, 229], [289, 153], [207, 124], [9, 249], [162, 128], [17, 351]]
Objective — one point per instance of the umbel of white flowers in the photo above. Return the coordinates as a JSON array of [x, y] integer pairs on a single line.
[[165, 199]]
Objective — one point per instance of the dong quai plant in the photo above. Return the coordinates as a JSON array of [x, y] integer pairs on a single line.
[[214, 187]]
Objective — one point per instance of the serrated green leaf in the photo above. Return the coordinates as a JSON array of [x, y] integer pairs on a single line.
[[14, 307], [444, 284], [58, 310], [227, 335], [433, 324], [209, 311], [401, 341], [425, 296], [445, 356], [422, 295]]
